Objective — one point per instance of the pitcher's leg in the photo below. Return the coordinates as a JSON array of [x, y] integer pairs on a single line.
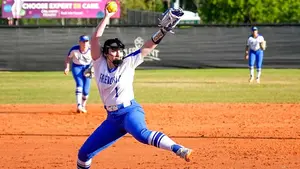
[[77, 75], [104, 136], [251, 65], [86, 91], [259, 63], [135, 124]]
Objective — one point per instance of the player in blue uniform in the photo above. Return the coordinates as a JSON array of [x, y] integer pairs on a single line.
[[114, 76], [81, 60], [257, 45]]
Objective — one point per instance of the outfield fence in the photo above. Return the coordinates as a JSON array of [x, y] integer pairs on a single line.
[[218, 46]]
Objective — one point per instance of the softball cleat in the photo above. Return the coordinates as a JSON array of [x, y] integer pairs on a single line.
[[81, 109], [258, 80], [184, 153], [251, 79]]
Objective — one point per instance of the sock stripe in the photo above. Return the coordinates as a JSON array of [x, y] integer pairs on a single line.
[[158, 143], [81, 167], [79, 89], [160, 140], [157, 137], [152, 140], [84, 165], [78, 167]]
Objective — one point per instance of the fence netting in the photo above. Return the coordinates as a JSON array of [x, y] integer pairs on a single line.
[[44, 49]]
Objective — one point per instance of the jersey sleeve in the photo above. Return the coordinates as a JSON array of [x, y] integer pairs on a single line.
[[134, 58], [70, 53], [248, 41]]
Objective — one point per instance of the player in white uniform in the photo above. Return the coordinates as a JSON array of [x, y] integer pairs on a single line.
[[114, 76], [257, 45], [81, 61]]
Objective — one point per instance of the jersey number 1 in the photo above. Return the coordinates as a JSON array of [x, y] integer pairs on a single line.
[[117, 95]]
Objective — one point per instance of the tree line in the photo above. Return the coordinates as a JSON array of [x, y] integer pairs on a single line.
[[249, 11]]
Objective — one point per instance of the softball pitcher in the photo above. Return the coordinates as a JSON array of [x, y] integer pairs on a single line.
[[257, 45], [114, 74], [81, 64]]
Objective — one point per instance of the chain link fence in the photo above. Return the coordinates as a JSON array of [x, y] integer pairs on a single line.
[[136, 17]]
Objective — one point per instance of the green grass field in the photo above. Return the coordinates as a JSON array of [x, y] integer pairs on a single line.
[[160, 86]]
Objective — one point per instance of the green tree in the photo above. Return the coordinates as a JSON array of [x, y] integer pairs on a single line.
[[149, 5], [249, 11], [142, 5], [190, 5], [290, 11]]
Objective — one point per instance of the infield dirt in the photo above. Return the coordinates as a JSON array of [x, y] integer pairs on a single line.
[[223, 136]]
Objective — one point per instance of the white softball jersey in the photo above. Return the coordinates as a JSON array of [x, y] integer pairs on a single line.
[[253, 43], [78, 57], [116, 86]]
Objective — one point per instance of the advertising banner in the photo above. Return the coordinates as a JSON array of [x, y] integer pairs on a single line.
[[55, 9]]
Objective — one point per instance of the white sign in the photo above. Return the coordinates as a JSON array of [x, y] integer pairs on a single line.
[[138, 43]]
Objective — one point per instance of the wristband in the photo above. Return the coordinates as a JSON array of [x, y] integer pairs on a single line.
[[158, 36]]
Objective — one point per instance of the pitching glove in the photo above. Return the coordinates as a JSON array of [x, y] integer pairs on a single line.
[[89, 72], [170, 19], [263, 45]]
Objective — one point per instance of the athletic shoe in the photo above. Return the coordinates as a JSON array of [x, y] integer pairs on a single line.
[[251, 79], [184, 153], [257, 80], [81, 109]]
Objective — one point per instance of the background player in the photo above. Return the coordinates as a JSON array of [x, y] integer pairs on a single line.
[[257, 46], [81, 61], [114, 76]]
